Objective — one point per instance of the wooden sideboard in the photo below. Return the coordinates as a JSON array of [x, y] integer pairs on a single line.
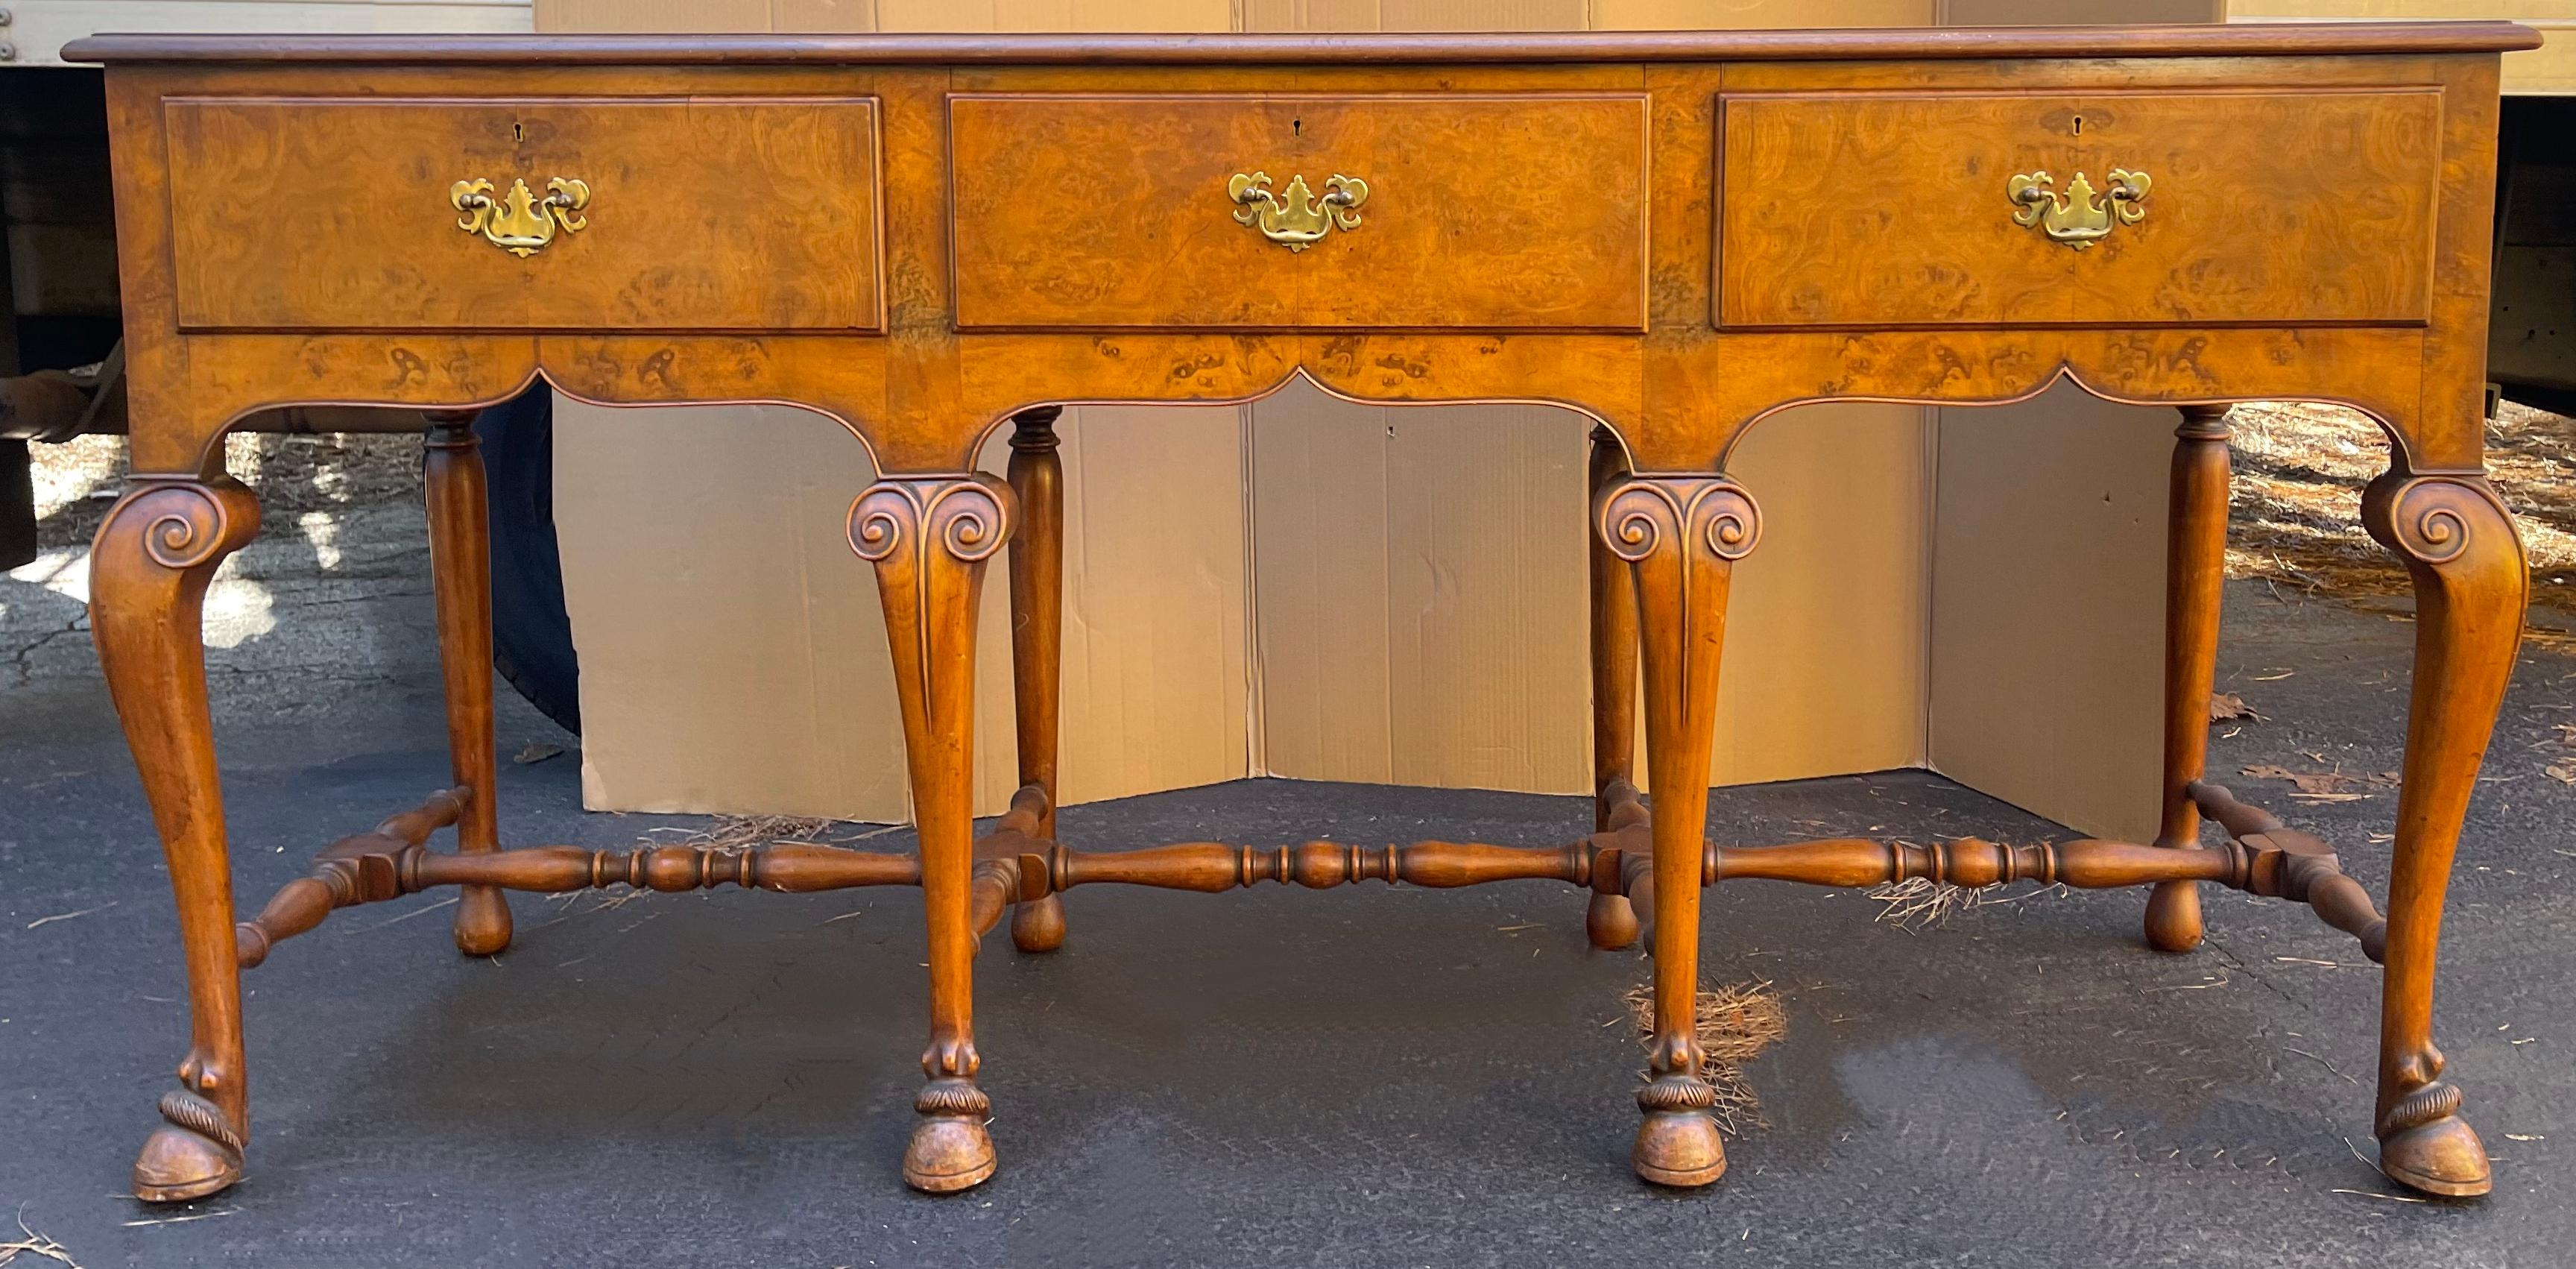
[[928, 238]]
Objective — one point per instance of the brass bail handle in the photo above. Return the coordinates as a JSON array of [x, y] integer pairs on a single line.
[[1294, 217], [2080, 216], [520, 221]]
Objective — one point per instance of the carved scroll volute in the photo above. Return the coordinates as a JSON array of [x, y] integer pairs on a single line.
[[187, 524], [924, 534], [2429, 520], [1681, 535], [1639, 518], [967, 518]]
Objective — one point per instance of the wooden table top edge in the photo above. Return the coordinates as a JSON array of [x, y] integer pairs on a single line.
[[2241, 40]]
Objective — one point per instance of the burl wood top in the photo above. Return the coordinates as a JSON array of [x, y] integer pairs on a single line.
[[1675, 233]]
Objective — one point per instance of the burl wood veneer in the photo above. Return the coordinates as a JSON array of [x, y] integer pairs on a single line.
[[930, 237]]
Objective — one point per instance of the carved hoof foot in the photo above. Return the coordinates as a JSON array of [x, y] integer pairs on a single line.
[[1678, 1144], [1610, 921], [193, 1155], [2173, 917], [1679, 1148], [1037, 925], [2425, 1145], [950, 1150], [482, 921]]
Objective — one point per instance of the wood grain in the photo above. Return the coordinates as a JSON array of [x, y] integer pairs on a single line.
[[1503, 211], [1890, 210], [333, 213]]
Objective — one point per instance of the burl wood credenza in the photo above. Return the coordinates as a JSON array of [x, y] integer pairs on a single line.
[[928, 238]]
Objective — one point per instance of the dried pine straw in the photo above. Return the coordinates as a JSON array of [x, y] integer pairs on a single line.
[[1735, 1024], [2296, 500], [731, 831], [1919, 903], [35, 1244]]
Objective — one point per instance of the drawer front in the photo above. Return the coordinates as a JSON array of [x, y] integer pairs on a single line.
[[2258, 207], [1501, 212], [722, 213]]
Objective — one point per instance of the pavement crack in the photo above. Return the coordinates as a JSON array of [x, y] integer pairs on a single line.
[[22, 660], [2237, 964]]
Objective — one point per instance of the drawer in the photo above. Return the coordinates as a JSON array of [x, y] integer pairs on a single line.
[[2290, 207], [715, 213], [1507, 211]]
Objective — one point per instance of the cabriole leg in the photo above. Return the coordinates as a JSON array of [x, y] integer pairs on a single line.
[[1610, 921], [2195, 568], [929, 537], [1680, 536], [460, 565], [2470, 588], [1037, 642], [149, 569]]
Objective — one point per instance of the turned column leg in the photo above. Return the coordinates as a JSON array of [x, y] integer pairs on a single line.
[[1610, 921], [2195, 569], [1680, 536], [460, 566], [149, 569], [929, 537], [1037, 641], [2470, 589]]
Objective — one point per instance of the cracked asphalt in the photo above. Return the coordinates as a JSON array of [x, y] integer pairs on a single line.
[[1360, 1077]]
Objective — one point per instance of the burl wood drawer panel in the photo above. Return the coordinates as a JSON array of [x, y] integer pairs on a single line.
[[2292, 207], [1487, 211], [713, 213]]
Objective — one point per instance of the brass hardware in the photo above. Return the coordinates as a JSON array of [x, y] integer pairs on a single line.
[[520, 222], [1294, 218], [2079, 217]]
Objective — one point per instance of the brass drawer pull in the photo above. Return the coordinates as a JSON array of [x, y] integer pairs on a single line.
[[520, 222], [2079, 217], [1294, 218]]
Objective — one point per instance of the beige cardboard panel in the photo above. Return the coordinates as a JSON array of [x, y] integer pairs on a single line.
[[2549, 69], [822, 17], [1485, 597], [835, 16], [1754, 15], [1157, 676], [1410, 15], [1824, 670], [1421, 595], [2076, 12], [1054, 15], [1320, 509], [612, 16], [733, 649], [2048, 607]]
